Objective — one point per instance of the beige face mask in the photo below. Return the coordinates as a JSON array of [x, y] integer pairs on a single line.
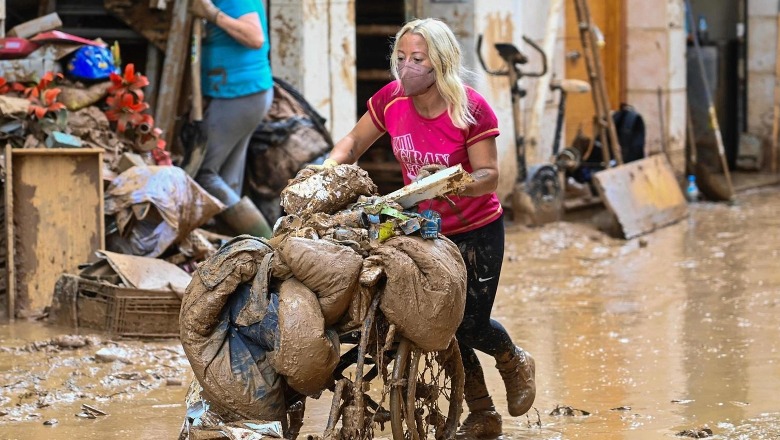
[[415, 78]]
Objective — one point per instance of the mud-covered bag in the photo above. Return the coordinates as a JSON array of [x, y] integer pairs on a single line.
[[425, 291], [306, 353], [228, 322], [329, 270], [328, 191]]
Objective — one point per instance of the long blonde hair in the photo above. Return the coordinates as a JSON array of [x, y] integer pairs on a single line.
[[445, 55]]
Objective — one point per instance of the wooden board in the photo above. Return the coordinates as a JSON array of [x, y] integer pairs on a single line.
[[430, 187], [644, 195], [54, 220]]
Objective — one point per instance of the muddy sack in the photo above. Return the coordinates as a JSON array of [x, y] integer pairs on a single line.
[[228, 324], [328, 191], [329, 270], [306, 353], [425, 292]]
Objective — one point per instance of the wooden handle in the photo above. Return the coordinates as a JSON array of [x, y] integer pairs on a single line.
[[197, 97]]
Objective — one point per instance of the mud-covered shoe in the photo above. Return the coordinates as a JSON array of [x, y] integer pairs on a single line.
[[518, 370], [480, 425]]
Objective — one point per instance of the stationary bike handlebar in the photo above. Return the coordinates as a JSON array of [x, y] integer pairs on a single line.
[[513, 58]]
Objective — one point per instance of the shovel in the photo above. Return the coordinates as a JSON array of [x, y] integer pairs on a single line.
[[193, 135]]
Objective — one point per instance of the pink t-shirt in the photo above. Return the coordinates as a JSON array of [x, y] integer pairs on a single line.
[[419, 141]]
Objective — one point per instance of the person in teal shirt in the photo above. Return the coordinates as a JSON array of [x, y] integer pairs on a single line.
[[236, 78]]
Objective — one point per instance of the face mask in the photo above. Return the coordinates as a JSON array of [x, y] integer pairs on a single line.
[[415, 78]]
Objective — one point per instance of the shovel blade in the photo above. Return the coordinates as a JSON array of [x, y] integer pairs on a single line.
[[644, 195]]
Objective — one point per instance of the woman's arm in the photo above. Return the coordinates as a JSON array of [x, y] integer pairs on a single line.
[[484, 161], [356, 142], [245, 29]]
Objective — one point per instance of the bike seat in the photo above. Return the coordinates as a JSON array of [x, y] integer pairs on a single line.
[[570, 85], [510, 53]]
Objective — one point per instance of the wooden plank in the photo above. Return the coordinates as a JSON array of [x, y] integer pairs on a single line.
[[2, 18], [644, 195], [57, 202], [56, 152], [437, 184], [10, 272], [173, 70]]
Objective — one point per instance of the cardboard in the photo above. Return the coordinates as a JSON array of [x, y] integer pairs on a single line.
[[141, 272]]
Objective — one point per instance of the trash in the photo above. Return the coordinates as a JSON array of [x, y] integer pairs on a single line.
[[225, 334], [91, 63], [76, 98], [696, 433], [568, 411], [425, 292], [443, 182], [112, 354], [12, 48], [142, 272], [119, 311], [58, 139], [35, 26], [10, 106], [303, 335], [156, 207], [327, 191]]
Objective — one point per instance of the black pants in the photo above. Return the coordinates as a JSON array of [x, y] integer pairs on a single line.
[[483, 251]]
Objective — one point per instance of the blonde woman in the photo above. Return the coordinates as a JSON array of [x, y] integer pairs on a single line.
[[435, 120]]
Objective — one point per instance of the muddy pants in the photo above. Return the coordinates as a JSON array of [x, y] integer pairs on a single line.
[[483, 253], [229, 124]]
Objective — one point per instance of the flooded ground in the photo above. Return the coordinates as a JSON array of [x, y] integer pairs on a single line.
[[673, 331]]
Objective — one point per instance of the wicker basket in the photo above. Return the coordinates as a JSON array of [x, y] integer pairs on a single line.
[[118, 311]]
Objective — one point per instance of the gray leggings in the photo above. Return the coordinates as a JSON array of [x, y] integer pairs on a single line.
[[229, 124]]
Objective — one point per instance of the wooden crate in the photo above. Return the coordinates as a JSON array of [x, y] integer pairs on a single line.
[[53, 221]]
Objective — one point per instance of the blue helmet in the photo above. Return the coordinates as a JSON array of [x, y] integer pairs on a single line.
[[91, 63]]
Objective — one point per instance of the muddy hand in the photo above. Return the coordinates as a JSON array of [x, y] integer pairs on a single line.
[[204, 9], [329, 163], [428, 170]]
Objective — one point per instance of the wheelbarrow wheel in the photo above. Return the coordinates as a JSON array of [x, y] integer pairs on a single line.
[[426, 394]]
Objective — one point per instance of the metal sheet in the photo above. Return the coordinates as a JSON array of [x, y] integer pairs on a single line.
[[644, 195]]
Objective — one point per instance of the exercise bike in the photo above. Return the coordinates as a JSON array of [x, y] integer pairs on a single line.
[[538, 191]]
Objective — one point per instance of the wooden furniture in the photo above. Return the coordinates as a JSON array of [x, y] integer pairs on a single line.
[[53, 221]]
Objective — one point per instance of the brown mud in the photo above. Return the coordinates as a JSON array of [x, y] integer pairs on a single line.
[[673, 332]]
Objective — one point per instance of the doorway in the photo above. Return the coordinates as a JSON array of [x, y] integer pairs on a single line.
[[609, 17], [376, 24]]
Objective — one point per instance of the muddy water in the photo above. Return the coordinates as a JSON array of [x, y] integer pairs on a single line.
[[674, 331]]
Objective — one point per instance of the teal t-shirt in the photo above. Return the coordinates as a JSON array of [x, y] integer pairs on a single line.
[[228, 68]]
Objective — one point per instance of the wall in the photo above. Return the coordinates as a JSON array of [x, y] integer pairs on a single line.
[[313, 48], [762, 42], [656, 49]]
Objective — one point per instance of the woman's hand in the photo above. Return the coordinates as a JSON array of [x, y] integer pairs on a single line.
[[483, 157], [204, 9]]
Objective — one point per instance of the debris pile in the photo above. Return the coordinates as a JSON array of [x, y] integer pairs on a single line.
[[261, 319]]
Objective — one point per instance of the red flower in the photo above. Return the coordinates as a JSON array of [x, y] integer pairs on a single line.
[[46, 104], [125, 110], [130, 82]]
